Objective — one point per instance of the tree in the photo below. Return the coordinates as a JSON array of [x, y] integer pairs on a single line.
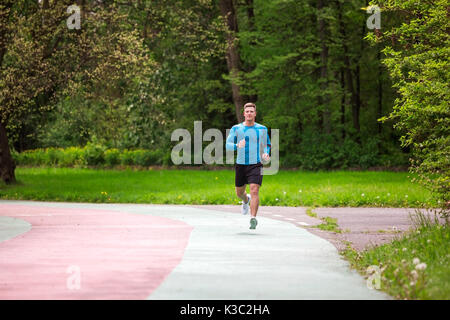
[[228, 11], [46, 61], [417, 57]]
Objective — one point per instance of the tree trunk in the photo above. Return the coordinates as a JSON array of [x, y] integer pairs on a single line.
[[228, 11], [323, 100], [348, 73], [343, 102], [250, 15], [380, 91], [7, 165]]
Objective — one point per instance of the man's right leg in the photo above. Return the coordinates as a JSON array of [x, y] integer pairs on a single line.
[[240, 192]]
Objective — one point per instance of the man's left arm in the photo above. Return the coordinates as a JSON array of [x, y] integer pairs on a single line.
[[266, 144]]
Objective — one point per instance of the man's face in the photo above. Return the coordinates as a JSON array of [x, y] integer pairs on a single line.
[[249, 114]]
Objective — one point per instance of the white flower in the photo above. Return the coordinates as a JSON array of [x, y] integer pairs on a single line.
[[421, 266], [412, 283], [414, 274], [378, 197], [428, 241], [394, 228], [300, 190], [284, 192], [404, 249], [389, 194], [416, 261], [406, 196], [276, 199], [362, 194]]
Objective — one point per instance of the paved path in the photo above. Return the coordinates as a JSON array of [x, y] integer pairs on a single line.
[[54, 250]]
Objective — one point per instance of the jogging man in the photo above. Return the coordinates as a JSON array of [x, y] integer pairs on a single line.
[[250, 139]]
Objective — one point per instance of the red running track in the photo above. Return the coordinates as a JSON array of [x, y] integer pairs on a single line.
[[88, 254]]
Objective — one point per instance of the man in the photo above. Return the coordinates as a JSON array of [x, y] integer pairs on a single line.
[[249, 139]]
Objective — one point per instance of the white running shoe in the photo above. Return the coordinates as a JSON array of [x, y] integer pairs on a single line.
[[246, 206]]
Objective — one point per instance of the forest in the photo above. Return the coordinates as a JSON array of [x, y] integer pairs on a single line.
[[349, 84]]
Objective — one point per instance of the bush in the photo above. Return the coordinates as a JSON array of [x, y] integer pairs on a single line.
[[94, 154], [112, 157]]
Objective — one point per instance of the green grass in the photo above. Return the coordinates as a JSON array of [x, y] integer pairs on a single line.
[[287, 188], [401, 263], [329, 224]]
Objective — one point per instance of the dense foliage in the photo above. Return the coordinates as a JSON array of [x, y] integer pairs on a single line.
[[417, 57], [137, 70]]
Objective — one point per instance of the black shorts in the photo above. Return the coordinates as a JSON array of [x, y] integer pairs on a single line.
[[246, 174]]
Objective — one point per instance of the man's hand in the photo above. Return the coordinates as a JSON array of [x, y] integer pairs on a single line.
[[241, 144], [266, 157]]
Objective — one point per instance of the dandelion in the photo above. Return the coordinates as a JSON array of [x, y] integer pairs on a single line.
[[414, 274], [421, 266], [416, 261], [217, 178]]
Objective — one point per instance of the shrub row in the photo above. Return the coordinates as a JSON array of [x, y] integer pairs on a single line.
[[91, 154]]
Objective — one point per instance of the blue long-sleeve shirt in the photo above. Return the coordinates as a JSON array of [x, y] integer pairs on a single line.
[[256, 139]]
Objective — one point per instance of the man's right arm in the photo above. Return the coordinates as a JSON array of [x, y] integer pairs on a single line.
[[230, 145]]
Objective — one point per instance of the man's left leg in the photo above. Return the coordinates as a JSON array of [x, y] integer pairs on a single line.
[[254, 204]]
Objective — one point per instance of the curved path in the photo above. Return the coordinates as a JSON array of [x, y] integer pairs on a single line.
[[130, 251]]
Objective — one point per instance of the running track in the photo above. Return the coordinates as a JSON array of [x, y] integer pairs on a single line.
[[51, 250]]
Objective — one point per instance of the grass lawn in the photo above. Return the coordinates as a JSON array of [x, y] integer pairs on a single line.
[[415, 266], [172, 186]]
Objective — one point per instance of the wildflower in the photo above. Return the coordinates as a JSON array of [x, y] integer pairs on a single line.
[[428, 241], [416, 261], [404, 249], [300, 190], [284, 192], [217, 178], [414, 274], [394, 228], [421, 266], [276, 199], [388, 194], [362, 194], [406, 196], [412, 283]]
